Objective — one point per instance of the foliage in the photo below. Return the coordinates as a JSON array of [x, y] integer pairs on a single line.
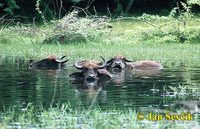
[[11, 5], [182, 91], [180, 26], [192, 2], [75, 28], [48, 10], [37, 5], [151, 34], [122, 7], [63, 116], [76, 1]]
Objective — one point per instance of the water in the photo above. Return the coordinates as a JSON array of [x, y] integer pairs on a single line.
[[20, 85]]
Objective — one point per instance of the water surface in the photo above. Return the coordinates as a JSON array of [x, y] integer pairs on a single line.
[[20, 85]]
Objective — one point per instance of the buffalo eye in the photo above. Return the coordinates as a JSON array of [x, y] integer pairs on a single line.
[[95, 69], [85, 69], [123, 61]]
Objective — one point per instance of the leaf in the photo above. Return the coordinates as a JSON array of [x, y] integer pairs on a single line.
[[191, 2], [8, 10], [1, 5]]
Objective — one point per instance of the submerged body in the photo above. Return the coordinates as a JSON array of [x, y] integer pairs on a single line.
[[119, 66], [121, 62], [146, 65], [50, 63]]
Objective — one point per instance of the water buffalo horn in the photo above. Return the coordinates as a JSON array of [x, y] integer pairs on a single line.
[[78, 66], [104, 63], [65, 61], [62, 57], [59, 61], [126, 60]]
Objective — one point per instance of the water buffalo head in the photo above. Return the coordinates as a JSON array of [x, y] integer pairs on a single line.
[[51, 62], [118, 61], [90, 70]]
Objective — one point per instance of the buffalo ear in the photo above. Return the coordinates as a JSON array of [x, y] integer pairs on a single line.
[[76, 75], [104, 75], [129, 66], [109, 61], [30, 61]]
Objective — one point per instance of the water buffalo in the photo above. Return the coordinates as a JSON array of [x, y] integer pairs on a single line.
[[122, 62], [91, 71], [120, 67], [117, 61], [49, 63]]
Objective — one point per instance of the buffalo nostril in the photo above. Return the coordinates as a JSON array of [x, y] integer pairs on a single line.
[[117, 63], [91, 76]]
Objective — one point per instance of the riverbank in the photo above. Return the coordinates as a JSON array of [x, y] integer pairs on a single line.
[[158, 39], [64, 116]]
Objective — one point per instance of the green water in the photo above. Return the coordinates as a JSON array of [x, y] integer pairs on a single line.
[[20, 85]]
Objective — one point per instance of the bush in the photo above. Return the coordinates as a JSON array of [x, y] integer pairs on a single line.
[[179, 26], [74, 28], [9, 6]]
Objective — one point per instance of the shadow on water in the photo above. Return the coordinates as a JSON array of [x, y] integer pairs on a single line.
[[127, 89]]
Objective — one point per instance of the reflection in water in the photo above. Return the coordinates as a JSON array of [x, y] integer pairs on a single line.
[[89, 90], [18, 84], [192, 106], [118, 76], [187, 106]]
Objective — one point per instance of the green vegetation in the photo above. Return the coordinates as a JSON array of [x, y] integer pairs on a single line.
[[173, 40], [48, 10], [64, 116], [166, 39], [74, 28]]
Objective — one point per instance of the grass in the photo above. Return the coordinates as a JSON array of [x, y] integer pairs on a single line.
[[64, 116], [165, 53], [127, 38]]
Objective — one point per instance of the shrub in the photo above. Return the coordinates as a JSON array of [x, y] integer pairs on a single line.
[[179, 26], [9, 6], [74, 28]]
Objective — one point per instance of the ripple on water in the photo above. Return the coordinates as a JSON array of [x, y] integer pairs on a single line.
[[19, 84]]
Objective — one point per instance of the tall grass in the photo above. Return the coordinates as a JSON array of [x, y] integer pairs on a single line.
[[164, 52], [134, 38], [63, 116], [165, 39]]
